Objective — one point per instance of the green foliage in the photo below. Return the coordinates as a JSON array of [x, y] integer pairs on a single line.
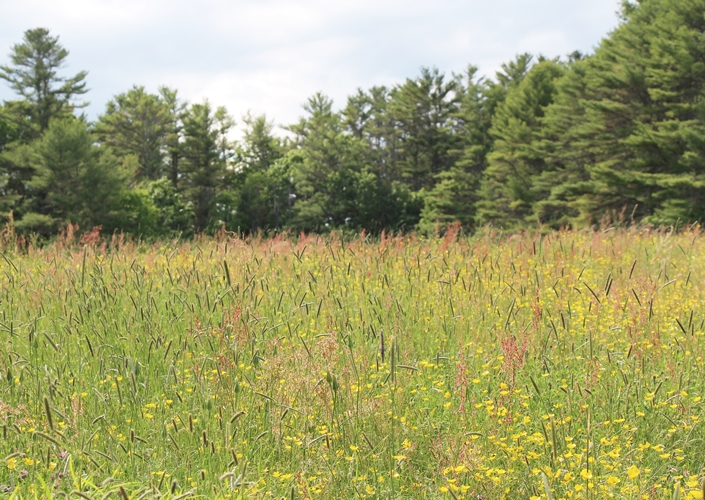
[[254, 205], [329, 160], [139, 215], [426, 110], [73, 180], [8, 135], [508, 191], [260, 183], [205, 152], [638, 145], [137, 123], [172, 141], [369, 118], [174, 214], [510, 75], [33, 75], [616, 134], [565, 151], [451, 199], [455, 194], [259, 148]]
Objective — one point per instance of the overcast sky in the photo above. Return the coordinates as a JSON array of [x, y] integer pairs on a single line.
[[268, 56]]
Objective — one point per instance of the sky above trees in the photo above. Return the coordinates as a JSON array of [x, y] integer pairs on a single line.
[[269, 56]]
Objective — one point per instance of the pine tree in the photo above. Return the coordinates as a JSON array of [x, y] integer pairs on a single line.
[[643, 118], [259, 148], [456, 192], [258, 187], [368, 116], [508, 191], [9, 182], [206, 151], [74, 180], [565, 146], [323, 179], [172, 141], [33, 75], [137, 123], [425, 111], [174, 214]]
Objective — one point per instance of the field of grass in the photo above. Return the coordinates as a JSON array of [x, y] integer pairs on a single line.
[[561, 366]]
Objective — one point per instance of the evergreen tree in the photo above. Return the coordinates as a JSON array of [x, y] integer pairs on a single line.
[[137, 123], [9, 196], [643, 118], [455, 194], [368, 117], [508, 192], [206, 151], [172, 139], [261, 181], [425, 111], [259, 148], [33, 74], [564, 143], [16, 131], [254, 205], [74, 180], [553, 142], [325, 198], [510, 75], [174, 215]]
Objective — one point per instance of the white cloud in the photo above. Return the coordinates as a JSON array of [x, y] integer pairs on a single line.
[[270, 55]]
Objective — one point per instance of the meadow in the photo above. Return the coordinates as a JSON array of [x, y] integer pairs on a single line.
[[567, 365]]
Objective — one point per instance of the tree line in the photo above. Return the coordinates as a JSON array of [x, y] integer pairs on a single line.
[[557, 142]]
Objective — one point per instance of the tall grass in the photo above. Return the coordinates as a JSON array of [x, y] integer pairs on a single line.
[[561, 366]]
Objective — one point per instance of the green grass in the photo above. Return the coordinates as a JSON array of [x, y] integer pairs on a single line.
[[480, 368]]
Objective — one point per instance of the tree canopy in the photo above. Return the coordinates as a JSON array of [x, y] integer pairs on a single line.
[[33, 75], [619, 133]]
